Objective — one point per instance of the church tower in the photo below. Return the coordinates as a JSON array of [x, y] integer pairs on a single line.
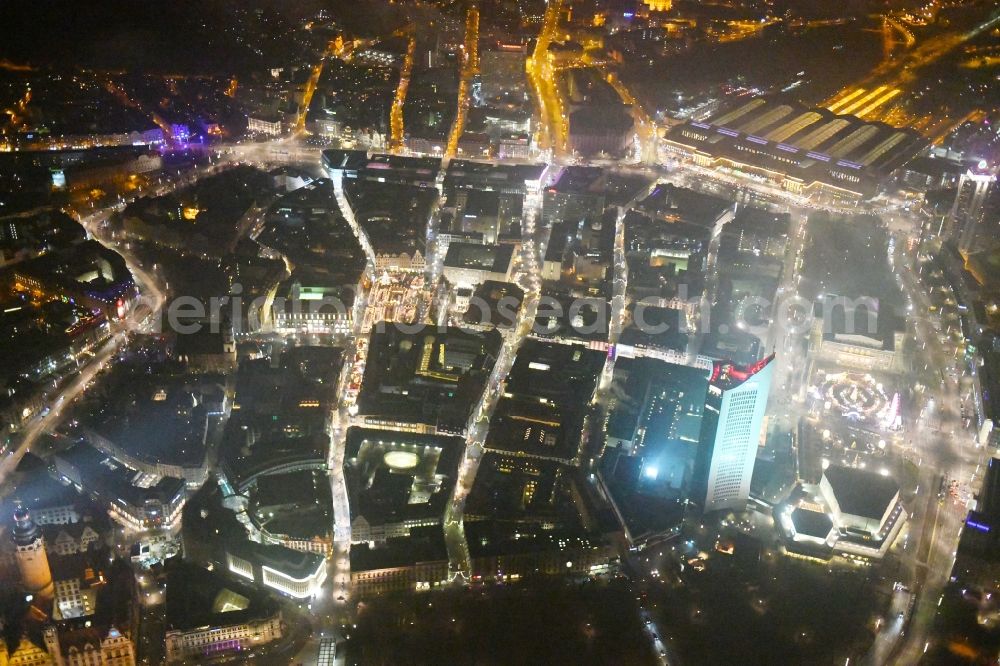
[[31, 558]]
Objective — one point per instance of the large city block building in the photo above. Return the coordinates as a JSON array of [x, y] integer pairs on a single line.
[[578, 193], [805, 151], [511, 551], [853, 512], [86, 274], [412, 563], [524, 179], [134, 498], [209, 617], [502, 66], [216, 540], [294, 573], [398, 481], [470, 264], [316, 308], [427, 381], [857, 335]]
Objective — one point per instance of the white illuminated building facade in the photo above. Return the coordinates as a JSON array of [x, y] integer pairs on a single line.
[[294, 573], [852, 512], [300, 588], [189, 646], [313, 309], [730, 435], [264, 125]]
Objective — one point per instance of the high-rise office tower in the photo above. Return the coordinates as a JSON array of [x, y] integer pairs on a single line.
[[730, 434], [967, 217], [31, 557]]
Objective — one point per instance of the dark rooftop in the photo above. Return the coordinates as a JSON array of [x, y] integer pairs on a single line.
[[580, 180], [493, 258], [111, 479], [664, 328], [393, 215], [518, 488], [811, 523], [278, 415], [546, 396], [430, 377], [159, 417], [491, 538], [402, 169], [292, 563], [587, 323], [860, 492], [878, 322], [197, 598], [501, 300], [668, 201], [396, 476], [425, 544], [555, 371], [345, 159], [988, 502], [465, 173]]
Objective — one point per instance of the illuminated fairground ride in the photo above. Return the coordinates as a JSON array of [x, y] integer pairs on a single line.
[[860, 398]]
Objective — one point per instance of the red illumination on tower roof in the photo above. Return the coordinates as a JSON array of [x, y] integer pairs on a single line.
[[731, 374]]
